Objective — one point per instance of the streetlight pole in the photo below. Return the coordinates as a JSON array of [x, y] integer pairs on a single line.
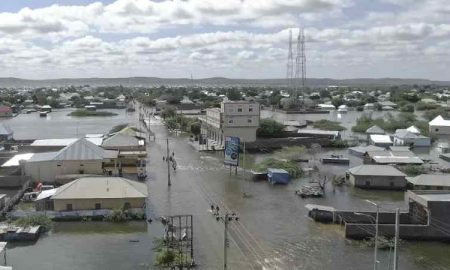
[[375, 253], [226, 218]]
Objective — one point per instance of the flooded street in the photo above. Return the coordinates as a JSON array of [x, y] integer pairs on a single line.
[[273, 232]]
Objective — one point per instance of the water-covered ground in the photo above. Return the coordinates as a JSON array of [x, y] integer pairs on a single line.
[[274, 231]]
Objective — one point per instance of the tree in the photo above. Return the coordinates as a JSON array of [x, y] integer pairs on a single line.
[[234, 94], [195, 128], [168, 111], [270, 128], [324, 93]]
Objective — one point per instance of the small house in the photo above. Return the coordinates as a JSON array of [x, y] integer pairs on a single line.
[[406, 137], [429, 181], [439, 126], [278, 176], [377, 177], [79, 157], [374, 130], [95, 193], [362, 150], [369, 107], [380, 140]]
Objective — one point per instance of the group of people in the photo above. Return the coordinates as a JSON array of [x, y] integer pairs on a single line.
[[171, 159]]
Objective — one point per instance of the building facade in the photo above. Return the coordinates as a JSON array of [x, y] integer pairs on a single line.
[[234, 118]]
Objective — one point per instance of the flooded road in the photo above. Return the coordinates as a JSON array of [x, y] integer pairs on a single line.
[[274, 231]]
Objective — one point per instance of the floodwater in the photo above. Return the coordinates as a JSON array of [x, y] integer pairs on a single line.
[[273, 232], [58, 125]]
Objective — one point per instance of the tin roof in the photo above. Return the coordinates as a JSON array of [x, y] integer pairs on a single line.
[[101, 188], [378, 170], [430, 180]]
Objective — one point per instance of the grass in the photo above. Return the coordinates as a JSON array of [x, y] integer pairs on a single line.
[[86, 113], [328, 125]]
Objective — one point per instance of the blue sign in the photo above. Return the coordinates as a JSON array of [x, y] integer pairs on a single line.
[[232, 151]]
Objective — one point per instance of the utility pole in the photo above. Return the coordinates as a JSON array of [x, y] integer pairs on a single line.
[[397, 230], [227, 218], [168, 162]]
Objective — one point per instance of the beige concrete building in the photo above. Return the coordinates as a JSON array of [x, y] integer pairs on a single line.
[[79, 157], [90, 193], [233, 118], [377, 177]]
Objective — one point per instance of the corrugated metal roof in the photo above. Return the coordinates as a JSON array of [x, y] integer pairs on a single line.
[[81, 149], [120, 140], [14, 161], [376, 138], [397, 160], [430, 180], [64, 142], [377, 170], [101, 188]]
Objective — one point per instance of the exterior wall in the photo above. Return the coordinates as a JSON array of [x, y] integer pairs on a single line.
[[247, 134], [428, 187], [46, 171], [213, 117], [378, 182], [89, 204], [439, 130], [416, 142], [240, 114]]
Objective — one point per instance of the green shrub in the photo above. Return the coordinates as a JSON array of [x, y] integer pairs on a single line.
[[270, 128], [86, 113], [40, 220], [291, 167], [116, 215], [328, 125]]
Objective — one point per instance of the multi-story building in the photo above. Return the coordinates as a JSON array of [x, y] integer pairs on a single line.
[[233, 118]]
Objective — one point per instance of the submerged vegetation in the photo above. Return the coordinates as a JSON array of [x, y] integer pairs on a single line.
[[328, 125], [86, 113], [41, 220], [390, 123], [290, 166]]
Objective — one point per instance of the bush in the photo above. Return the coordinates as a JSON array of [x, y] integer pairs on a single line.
[[431, 114], [291, 167], [86, 113], [412, 170], [328, 125], [270, 128], [41, 220], [423, 106], [407, 108], [116, 216]]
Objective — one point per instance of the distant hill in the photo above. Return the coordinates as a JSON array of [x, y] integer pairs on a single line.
[[214, 81]]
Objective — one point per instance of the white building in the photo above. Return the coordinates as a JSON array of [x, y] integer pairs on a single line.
[[380, 140], [408, 138], [439, 126], [234, 118]]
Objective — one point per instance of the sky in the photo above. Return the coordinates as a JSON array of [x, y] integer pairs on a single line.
[[44, 39]]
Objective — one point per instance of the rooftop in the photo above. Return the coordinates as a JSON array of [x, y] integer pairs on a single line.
[[65, 142], [376, 138], [430, 180], [101, 188], [439, 121], [375, 130], [378, 170]]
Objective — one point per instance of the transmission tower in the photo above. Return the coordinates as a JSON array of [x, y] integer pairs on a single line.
[[300, 64], [290, 66]]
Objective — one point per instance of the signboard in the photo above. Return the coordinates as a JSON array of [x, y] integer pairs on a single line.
[[231, 151]]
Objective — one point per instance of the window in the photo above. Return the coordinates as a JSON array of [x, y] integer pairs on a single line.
[[69, 207], [249, 120], [239, 109], [230, 121], [98, 206], [391, 184], [250, 109], [436, 130], [367, 183]]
